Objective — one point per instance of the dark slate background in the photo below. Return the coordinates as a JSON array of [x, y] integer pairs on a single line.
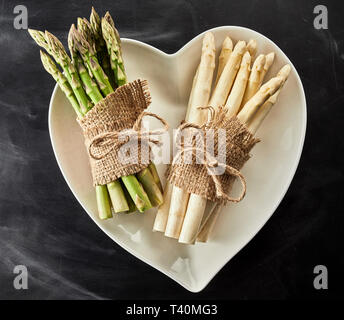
[[43, 227]]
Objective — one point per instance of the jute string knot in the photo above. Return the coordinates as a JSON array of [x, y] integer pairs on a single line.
[[211, 173], [111, 139], [209, 162]]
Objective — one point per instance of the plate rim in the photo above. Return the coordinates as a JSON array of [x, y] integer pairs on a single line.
[[197, 287]]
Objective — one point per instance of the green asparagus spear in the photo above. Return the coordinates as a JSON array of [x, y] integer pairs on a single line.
[[117, 196], [109, 19], [103, 202], [101, 49], [137, 193], [154, 194], [131, 204], [40, 39], [151, 182], [86, 30], [97, 31], [51, 68], [90, 86], [156, 178], [116, 60]]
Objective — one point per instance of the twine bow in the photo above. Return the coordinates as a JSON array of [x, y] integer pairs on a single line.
[[210, 162], [110, 139]]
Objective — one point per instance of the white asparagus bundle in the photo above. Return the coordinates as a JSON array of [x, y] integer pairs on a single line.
[[225, 53], [232, 87], [252, 126], [199, 97], [196, 204]]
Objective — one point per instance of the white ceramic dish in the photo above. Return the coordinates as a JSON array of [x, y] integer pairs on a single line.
[[268, 173]]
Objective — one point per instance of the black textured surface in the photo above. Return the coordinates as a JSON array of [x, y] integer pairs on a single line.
[[43, 227]]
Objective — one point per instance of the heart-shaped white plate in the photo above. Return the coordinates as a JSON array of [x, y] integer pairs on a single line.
[[268, 173]]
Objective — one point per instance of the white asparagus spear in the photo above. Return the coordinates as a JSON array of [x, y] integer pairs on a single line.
[[192, 220], [254, 79], [252, 47], [162, 214], [227, 77], [196, 205], [262, 112], [208, 225], [200, 97], [253, 126], [163, 210], [192, 93], [263, 94], [161, 217], [227, 48], [269, 59], [237, 93], [201, 92], [178, 205]]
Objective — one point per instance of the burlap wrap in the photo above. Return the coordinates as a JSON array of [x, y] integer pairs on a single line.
[[101, 126], [195, 178]]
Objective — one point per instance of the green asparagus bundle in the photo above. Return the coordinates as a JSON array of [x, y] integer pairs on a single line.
[[94, 70]]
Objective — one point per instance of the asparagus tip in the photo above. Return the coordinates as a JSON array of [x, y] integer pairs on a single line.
[[71, 44], [284, 72], [94, 14], [39, 37], [109, 19], [56, 47], [48, 63], [95, 23], [87, 36]]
